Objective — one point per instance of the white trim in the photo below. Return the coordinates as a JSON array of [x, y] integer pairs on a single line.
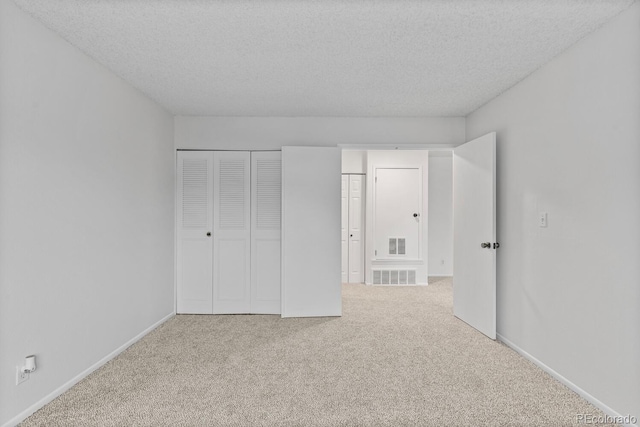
[[397, 286], [582, 393], [391, 146], [440, 275], [73, 381], [441, 153], [283, 213], [175, 232]]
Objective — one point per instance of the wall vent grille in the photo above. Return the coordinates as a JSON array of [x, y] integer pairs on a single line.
[[394, 277], [397, 246]]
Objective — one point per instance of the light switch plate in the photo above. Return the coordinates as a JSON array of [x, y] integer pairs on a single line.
[[542, 219]]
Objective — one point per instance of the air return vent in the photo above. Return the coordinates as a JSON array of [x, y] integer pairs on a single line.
[[394, 277], [397, 246]]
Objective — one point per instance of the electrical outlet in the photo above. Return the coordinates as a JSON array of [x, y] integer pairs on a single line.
[[21, 376]]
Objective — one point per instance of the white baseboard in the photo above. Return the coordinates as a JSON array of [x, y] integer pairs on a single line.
[[588, 397], [73, 381]]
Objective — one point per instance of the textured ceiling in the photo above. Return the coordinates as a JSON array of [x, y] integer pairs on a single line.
[[323, 57]]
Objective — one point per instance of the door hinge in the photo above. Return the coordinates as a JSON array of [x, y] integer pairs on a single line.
[[376, 253], [376, 180]]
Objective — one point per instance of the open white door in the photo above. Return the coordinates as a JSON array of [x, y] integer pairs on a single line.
[[311, 254], [474, 233]]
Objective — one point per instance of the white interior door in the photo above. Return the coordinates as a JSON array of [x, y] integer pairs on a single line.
[[266, 204], [194, 227], [356, 222], [311, 255], [474, 233], [344, 229], [398, 202], [231, 233]]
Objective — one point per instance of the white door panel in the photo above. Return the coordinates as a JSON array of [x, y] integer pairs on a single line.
[[356, 270], [356, 222], [265, 298], [230, 273], [345, 227], [194, 227], [231, 232], [311, 222], [398, 202], [474, 223], [194, 277], [266, 201]]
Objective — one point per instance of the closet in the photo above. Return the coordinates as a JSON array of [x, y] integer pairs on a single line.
[[228, 232]]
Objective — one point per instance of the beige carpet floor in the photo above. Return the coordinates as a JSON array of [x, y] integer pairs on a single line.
[[397, 357]]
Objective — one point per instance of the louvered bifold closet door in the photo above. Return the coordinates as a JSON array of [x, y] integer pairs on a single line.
[[194, 227], [231, 233], [266, 204]]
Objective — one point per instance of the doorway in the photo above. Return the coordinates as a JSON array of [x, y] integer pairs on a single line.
[[394, 233]]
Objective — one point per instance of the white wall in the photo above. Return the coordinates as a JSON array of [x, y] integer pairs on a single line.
[[440, 213], [86, 212], [569, 144], [271, 133], [354, 161]]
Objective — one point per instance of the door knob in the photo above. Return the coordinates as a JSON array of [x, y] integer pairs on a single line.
[[485, 245], [208, 234], [416, 215], [496, 245], [350, 235]]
